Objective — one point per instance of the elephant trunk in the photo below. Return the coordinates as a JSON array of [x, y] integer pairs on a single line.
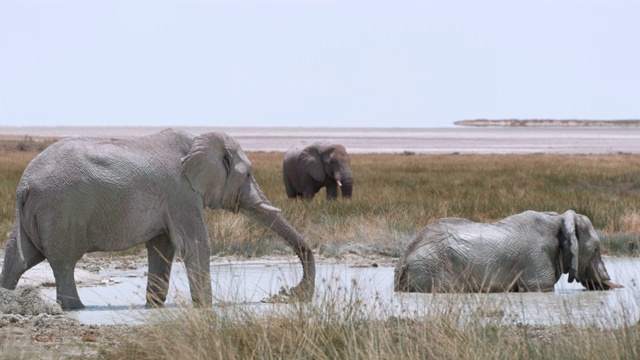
[[345, 182], [254, 205], [600, 280], [276, 223], [347, 188]]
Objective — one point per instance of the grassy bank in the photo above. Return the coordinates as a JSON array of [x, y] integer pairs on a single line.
[[396, 195], [329, 331]]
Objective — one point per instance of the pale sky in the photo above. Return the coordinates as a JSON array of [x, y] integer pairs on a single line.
[[316, 63]]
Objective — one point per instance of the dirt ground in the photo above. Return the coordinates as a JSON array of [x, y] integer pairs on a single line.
[[35, 327], [47, 336]]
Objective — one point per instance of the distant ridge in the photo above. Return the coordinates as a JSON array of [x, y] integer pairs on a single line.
[[543, 122]]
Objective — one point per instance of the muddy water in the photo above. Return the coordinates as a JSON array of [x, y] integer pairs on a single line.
[[245, 284]]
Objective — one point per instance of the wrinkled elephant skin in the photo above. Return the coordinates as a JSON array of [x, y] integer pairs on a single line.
[[307, 168], [89, 194], [524, 252]]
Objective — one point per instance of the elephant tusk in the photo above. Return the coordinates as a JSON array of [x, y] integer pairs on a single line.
[[612, 285], [339, 183], [268, 208]]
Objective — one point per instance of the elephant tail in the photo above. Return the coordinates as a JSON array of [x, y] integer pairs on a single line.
[[20, 252], [23, 222]]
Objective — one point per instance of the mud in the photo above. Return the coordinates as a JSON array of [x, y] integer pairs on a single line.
[[119, 296], [113, 290], [47, 336], [33, 326], [27, 300]]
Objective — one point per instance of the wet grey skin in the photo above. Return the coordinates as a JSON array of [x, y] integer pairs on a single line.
[[524, 252]]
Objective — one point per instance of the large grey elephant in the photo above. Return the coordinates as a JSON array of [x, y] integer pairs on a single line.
[[89, 194], [524, 252], [307, 168]]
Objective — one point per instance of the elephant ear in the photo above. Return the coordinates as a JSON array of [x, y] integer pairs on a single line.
[[310, 162], [206, 166], [569, 220]]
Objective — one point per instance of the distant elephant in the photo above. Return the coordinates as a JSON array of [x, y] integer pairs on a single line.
[[309, 167], [89, 194], [524, 252]]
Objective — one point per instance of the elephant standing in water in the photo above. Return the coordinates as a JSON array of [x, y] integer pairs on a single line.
[[524, 252], [89, 194], [309, 167]]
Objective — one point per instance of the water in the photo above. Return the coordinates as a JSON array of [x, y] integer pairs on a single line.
[[245, 284], [463, 140]]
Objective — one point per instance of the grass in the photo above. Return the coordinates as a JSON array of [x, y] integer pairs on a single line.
[[341, 326], [394, 197], [397, 195]]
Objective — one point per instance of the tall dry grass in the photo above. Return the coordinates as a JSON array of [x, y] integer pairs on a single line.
[[396, 195], [334, 330], [12, 164]]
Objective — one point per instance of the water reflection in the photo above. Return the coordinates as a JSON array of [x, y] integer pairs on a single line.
[[370, 291]]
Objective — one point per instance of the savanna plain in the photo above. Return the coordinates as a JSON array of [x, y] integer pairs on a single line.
[[395, 195]]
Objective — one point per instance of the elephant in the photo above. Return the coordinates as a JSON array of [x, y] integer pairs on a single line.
[[525, 252], [86, 194], [309, 167]]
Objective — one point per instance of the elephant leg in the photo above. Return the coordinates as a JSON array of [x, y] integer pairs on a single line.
[[539, 277], [412, 278], [193, 243], [66, 290], [542, 285], [527, 286], [196, 261], [160, 252], [332, 190], [292, 193], [401, 280], [18, 258], [309, 191]]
